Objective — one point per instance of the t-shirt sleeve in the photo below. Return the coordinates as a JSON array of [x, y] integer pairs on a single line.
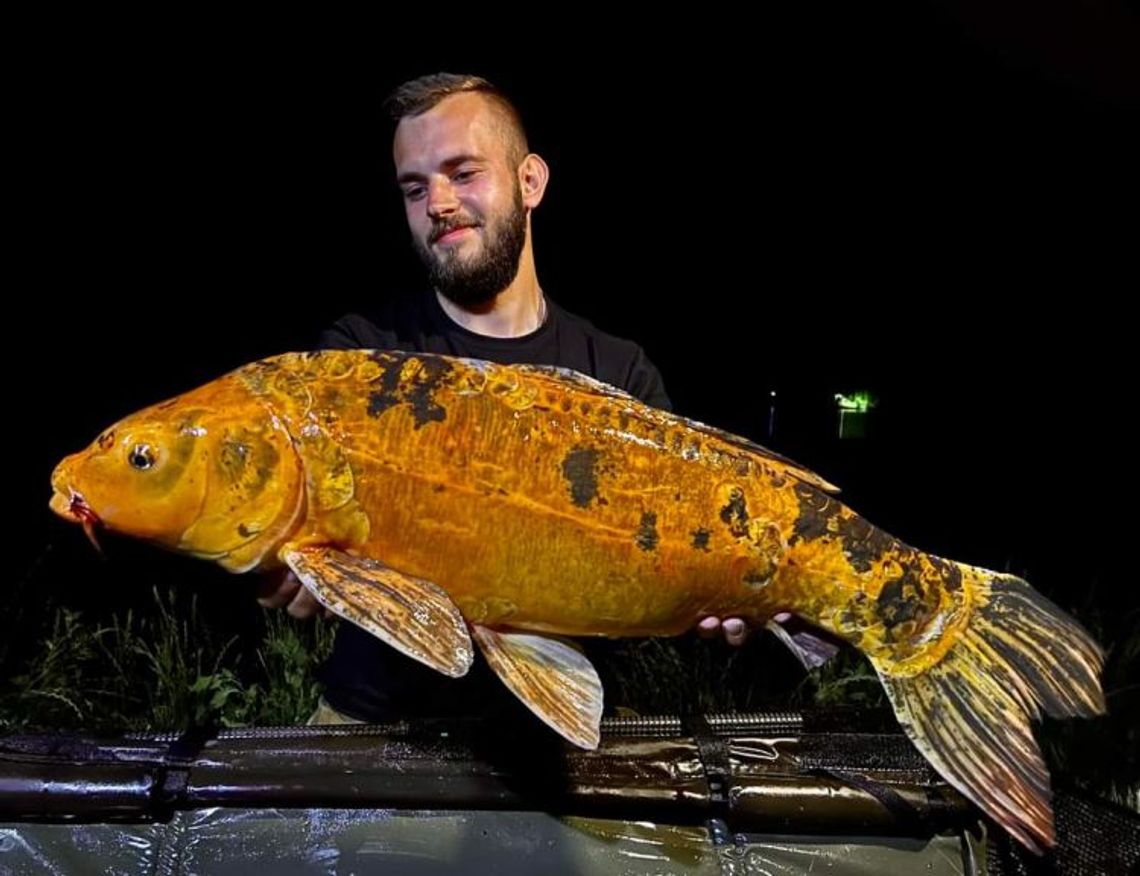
[[643, 381]]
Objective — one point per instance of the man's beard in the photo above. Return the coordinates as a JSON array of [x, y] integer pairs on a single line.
[[478, 279]]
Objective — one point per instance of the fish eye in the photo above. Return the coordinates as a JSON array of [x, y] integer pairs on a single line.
[[141, 457]]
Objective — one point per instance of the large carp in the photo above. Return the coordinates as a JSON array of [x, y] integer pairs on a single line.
[[435, 501]]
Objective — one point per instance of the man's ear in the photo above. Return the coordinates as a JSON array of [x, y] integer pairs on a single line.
[[533, 176]]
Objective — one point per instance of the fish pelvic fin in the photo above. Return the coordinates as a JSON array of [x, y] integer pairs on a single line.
[[551, 676], [1018, 655]]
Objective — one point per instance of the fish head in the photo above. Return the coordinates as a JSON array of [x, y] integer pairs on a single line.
[[212, 473]]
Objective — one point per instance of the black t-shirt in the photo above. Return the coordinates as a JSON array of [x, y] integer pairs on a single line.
[[419, 325], [366, 678]]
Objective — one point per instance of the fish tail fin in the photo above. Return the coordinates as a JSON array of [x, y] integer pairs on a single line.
[[1017, 655]]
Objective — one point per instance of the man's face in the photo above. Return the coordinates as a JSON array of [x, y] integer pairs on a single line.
[[461, 197]]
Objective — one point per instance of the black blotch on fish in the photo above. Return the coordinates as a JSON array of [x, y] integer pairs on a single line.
[[418, 393], [855, 616], [580, 468], [425, 409], [388, 396], [701, 539], [647, 537], [385, 359], [735, 513], [901, 600], [816, 511], [949, 573], [863, 543]]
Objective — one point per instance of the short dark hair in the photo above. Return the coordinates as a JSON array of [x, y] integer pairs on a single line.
[[417, 96]]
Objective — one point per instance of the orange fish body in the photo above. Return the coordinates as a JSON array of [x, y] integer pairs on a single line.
[[433, 499]]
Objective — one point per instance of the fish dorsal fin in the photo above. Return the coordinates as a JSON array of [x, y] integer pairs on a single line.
[[552, 677], [414, 616]]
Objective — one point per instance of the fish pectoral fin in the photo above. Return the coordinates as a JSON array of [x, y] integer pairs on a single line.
[[810, 648], [414, 616], [552, 677]]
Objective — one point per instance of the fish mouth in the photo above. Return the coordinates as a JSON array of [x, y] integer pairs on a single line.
[[74, 508]]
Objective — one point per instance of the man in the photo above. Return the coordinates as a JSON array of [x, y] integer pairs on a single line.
[[469, 184]]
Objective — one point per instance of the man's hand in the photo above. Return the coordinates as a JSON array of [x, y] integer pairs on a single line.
[[735, 630], [282, 589]]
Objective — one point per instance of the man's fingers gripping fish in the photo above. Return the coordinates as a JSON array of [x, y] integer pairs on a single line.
[[446, 504]]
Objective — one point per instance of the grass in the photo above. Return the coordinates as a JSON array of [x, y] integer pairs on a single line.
[[165, 669]]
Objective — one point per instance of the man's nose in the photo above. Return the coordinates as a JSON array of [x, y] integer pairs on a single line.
[[441, 198]]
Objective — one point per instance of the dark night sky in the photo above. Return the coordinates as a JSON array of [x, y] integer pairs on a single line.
[[928, 201]]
